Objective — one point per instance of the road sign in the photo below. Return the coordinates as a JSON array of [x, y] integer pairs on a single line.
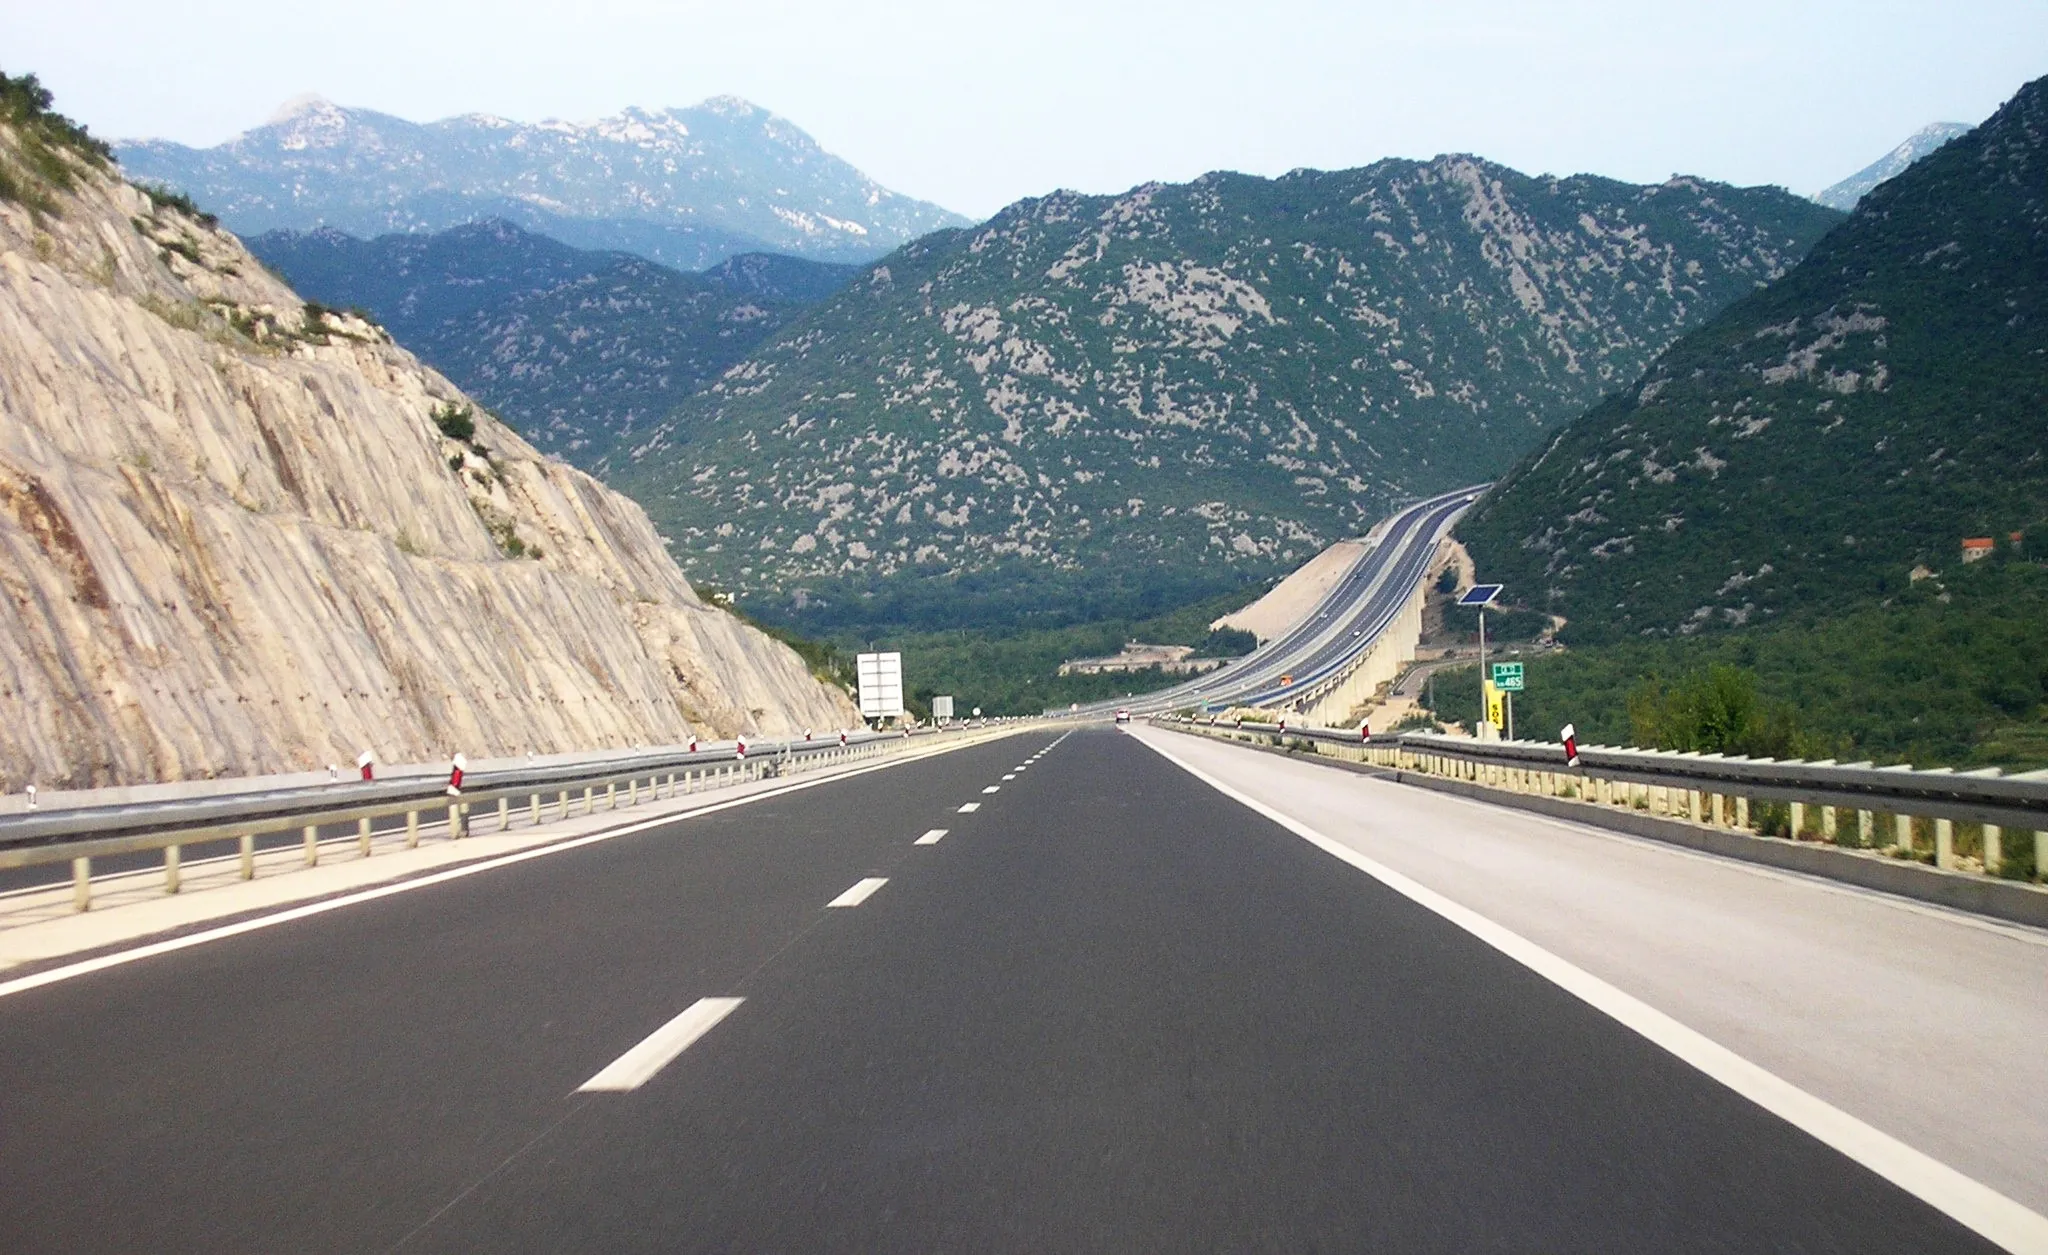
[[881, 685], [1496, 707], [942, 706], [1480, 595], [1507, 676]]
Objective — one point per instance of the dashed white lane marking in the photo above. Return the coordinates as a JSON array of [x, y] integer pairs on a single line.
[[83, 967], [931, 838], [637, 1066], [968, 808], [2005, 1222], [862, 890], [994, 788], [1010, 775]]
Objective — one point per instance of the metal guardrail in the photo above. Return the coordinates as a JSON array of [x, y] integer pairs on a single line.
[[80, 835], [1856, 805]]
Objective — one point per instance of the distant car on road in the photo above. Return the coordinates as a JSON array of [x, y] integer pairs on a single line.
[[1123, 714]]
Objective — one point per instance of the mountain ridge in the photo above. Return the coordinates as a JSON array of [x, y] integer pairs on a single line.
[[1826, 441], [1199, 384], [1845, 194], [685, 186], [578, 350]]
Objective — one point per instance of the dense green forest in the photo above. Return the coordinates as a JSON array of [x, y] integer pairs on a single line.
[[1951, 671]]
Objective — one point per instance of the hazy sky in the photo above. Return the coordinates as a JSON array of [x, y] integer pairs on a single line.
[[974, 105]]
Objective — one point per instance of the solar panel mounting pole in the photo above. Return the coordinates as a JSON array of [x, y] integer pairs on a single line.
[[1483, 711]]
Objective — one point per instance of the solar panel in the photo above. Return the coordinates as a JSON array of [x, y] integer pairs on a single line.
[[1480, 595]]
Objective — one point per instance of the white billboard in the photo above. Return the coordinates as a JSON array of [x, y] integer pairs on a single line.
[[881, 685], [942, 706]]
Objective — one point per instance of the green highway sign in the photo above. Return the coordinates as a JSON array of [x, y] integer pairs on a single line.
[[1507, 676]]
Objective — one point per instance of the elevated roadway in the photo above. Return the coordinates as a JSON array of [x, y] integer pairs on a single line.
[[1336, 633]]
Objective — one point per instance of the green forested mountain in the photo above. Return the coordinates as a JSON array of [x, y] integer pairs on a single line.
[[1817, 441], [1102, 405], [576, 349]]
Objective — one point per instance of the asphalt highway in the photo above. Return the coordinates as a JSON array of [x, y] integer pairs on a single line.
[[1106, 1009], [1344, 623]]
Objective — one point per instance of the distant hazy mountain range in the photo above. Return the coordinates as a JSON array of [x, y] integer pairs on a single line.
[[1816, 442], [1845, 194], [575, 349], [1092, 404], [686, 187]]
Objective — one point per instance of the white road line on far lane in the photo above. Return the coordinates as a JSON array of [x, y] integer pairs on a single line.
[[637, 1066], [1984, 1210], [968, 808], [931, 838], [1010, 776], [862, 890], [994, 788]]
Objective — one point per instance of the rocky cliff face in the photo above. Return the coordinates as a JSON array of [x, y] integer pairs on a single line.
[[242, 534]]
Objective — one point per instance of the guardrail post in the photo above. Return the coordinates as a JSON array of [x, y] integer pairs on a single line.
[[611, 795], [1903, 826], [533, 811], [363, 836], [565, 803], [455, 821], [248, 844], [173, 856], [504, 813], [1866, 826], [589, 799], [2040, 854], [671, 784], [1994, 848], [1944, 843], [1827, 824], [312, 838], [412, 829], [81, 884], [1798, 819]]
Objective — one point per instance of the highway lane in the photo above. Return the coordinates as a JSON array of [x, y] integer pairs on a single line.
[[1106, 1010]]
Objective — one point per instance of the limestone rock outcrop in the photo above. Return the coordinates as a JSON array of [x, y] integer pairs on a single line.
[[242, 534]]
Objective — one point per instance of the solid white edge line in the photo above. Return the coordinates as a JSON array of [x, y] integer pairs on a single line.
[[637, 1066], [68, 971], [931, 838], [969, 808], [861, 891], [1977, 1206]]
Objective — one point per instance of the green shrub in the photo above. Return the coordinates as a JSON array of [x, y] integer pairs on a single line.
[[457, 422], [170, 198]]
